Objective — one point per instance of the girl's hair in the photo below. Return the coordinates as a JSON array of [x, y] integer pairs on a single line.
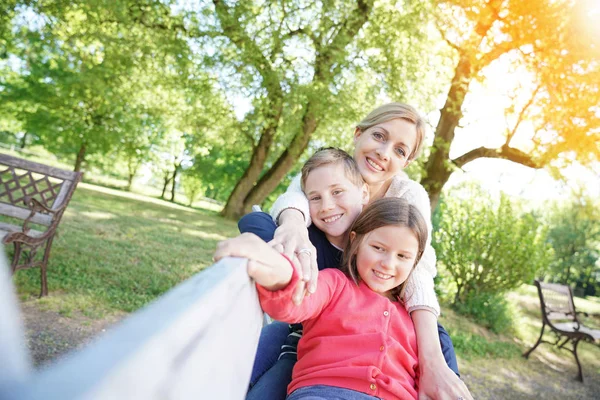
[[333, 156], [390, 111], [380, 213]]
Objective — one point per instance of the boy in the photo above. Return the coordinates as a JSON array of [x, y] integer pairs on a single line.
[[336, 194]]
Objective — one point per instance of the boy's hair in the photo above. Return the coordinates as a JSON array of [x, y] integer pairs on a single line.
[[333, 156], [384, 212], [390, 111]]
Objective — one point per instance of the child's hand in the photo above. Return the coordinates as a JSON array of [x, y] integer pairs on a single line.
[[265, 265]]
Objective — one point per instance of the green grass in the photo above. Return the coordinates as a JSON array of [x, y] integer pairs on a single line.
[[117, 251]]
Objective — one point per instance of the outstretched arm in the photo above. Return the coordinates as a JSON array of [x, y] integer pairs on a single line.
[[265, 265]]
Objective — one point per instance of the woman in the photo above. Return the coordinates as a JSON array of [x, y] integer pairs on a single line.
[[386, 142]]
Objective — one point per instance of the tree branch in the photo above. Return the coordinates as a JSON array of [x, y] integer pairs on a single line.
[[504, 152], [513, 131]]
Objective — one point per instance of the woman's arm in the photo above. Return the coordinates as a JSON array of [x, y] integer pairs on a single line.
[[436, 379], [292, 199], [419, 293], [291, 212]]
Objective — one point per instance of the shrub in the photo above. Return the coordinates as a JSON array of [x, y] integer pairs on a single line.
[[492, 311], [488, 248]]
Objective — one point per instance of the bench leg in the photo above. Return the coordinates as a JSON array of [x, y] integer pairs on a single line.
[[16, 257], [574, 351], [527, 353], [43, 267]]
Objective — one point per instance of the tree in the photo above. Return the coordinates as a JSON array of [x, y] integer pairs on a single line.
[[553, 41], [574, 234], [292, 59], [79, 68]]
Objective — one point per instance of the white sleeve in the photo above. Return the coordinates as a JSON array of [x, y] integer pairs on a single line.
[[293, 198], [420, 293]]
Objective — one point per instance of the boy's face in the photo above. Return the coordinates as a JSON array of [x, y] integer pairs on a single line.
[[334, 201]]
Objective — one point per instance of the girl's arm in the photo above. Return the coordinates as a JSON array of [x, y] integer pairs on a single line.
[[278, 305], [276, 278], [265, 265]]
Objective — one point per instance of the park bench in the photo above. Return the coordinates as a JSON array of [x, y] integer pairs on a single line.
[[197, 341], [559, 314], [36, 194]]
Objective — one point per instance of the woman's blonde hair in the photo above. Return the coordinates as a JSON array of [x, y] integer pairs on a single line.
[[390, 111], [380, 213]]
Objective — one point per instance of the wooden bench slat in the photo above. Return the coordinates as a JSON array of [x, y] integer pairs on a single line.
[[5, 229], [38, 168], [23, 213], [62, 195]]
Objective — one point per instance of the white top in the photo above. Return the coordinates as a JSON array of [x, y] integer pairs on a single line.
[[419, 293]]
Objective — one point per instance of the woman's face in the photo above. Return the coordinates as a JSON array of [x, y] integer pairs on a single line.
[[382, 150]]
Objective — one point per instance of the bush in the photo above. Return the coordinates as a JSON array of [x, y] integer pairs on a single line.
[[487, 248], [492, 311]]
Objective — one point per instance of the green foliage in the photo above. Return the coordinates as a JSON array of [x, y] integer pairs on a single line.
[[491, 311], [192, 186], [574, 234], [488, 248]]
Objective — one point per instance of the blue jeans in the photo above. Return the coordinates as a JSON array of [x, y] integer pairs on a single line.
[[323, 392]]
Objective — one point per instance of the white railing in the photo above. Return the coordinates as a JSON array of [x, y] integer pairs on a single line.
[[198, 341]]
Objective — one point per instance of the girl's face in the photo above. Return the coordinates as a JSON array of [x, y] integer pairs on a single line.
[[382, 150], [385, 257]]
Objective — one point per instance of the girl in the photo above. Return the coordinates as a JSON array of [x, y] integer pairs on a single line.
[[386, 141], [359, 340]]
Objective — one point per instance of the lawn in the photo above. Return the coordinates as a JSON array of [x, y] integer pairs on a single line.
[[116, 251]]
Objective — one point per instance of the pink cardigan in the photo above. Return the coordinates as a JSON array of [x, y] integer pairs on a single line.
[[353, 337]]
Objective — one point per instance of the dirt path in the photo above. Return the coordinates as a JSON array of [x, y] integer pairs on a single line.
[[50, 335], [545, 375]]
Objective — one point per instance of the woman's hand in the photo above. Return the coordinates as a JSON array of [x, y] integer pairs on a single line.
[[291, 238], [436, 380], [265, 265], [439, 382]]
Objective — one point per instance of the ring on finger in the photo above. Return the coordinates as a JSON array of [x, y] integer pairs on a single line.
[[305, 250]]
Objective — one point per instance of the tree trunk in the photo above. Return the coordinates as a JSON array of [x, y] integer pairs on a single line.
[[80, 159], [166, 180], [174, 182], [284, 163], [437, 168], [129, 181], [23, 141], [132, 168], [235, 206]]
